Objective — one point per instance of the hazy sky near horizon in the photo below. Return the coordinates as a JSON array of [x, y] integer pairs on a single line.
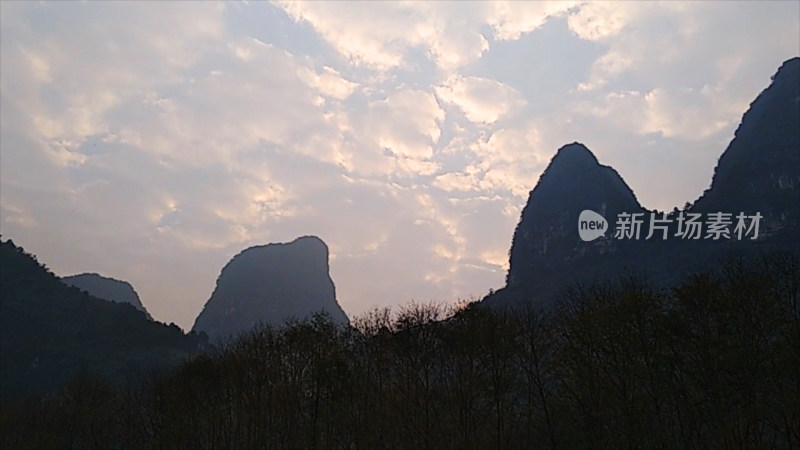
[[151, 142]]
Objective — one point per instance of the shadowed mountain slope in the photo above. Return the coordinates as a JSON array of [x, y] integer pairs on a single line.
[[107, 289], [758, 174], [51, 332], [270, 284]]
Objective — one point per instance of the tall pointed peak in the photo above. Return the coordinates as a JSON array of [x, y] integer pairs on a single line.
[[760, 169], [575, 177], [759, 172], [573, 182]]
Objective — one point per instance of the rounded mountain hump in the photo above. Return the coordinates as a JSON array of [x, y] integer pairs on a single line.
[[105, 288], [574, 154], [310, 252]]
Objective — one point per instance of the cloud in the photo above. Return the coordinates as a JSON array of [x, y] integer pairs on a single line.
[[683, 113], [509, 160], [687, 70], [328, 82], [391, 135], [598, 21], [382, 35], [482, 100], [456, 181], [511, 19], [407, 123]]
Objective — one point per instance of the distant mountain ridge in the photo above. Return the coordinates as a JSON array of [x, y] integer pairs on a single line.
[[107, 289], [51, 332], [759, 173], [270, 284]]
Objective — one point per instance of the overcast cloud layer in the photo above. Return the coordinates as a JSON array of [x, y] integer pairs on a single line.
[[153, 141]]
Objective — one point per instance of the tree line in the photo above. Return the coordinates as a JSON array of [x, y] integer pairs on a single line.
[[712, 363]]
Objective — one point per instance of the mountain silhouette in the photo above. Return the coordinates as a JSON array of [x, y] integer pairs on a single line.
[[271, 284], [760, 170], [51, 332], [572, 182], [107, 289], [758, 174]]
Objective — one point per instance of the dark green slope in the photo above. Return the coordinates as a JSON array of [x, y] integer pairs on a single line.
[[51, 332]]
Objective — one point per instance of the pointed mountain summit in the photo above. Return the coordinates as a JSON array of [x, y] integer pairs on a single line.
[[271, 284], [109, 289], [573, 181], [759, 172], [760, 169]]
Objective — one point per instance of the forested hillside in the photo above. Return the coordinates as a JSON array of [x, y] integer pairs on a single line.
[[51, 332], [713, 363]]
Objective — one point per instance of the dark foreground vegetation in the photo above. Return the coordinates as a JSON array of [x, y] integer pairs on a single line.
[[51, 332], [714, 363]]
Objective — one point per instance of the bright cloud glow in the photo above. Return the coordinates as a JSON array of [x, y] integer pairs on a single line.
[[482, 100]]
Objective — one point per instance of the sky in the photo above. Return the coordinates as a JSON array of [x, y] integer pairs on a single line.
[[151, 142]]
